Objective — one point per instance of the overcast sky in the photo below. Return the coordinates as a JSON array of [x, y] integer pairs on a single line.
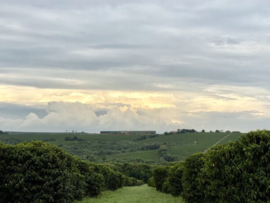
[[92, 65]]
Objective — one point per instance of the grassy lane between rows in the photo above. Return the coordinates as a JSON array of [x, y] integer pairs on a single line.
[[138, 194]]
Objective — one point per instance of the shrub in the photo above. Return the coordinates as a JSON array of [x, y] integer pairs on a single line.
[[94, 182], [193, 165], [160, 175], [141, 138], [254, 151], [235, 172], [129, 181], [166, 187], [151, 182], [139, 171], [216, 172], [113, 180], [78, 183], [75, 138], [175, 179], [39, 173], [239, 172], [164, 154]]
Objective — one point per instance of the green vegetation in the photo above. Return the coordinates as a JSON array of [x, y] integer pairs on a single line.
[[151, 182], [40, 172], [1, 132], [239, 172], [175, 179], [139, 171], [235, 172], [192, 190], [160, 175], [141, 194], [152, 149], [139, 156], [231, 138]]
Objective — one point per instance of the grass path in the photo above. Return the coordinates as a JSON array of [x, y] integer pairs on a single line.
[[218, 142], [138, 194]]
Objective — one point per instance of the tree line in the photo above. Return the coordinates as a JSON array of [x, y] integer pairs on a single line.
[[184, 131], [236, 172], [2, 132], [165, 154]]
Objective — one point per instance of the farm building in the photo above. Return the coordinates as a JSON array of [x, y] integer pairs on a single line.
[[129, 132]]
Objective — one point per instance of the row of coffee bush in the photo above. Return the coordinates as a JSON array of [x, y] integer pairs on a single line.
[[236, 172], [139, 171], [39, 172]]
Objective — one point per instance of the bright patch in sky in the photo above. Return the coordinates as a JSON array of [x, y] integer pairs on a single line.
[[134, 65]]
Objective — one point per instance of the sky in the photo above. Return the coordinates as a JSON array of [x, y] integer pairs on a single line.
[[91, 65]]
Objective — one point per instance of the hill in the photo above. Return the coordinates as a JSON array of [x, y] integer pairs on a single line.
[[118, 148]]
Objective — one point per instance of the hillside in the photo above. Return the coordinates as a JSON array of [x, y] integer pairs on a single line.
[[137, 148]]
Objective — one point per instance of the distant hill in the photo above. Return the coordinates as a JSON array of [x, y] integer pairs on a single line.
[[156, 149]]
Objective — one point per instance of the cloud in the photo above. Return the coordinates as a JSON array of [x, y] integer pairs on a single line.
[[171, 40], [77, 116], [15, 111], [62, 116], [168, 59]]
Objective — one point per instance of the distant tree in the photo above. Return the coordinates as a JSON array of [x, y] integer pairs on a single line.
[[217, 131], [75, 138], [180, 131], [1, 132], [203, 131], [104, 158], [141, 138], [153, 136]]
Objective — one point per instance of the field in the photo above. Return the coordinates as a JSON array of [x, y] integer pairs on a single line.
[[138, 194], [85, 182], [136, 148], [151, 155]]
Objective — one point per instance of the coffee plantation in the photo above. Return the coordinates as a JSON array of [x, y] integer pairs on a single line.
[[39, 172], [236, 172]]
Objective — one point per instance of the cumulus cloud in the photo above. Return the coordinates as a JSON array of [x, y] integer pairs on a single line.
[[166, 61], [61, 116], [77, 116]]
